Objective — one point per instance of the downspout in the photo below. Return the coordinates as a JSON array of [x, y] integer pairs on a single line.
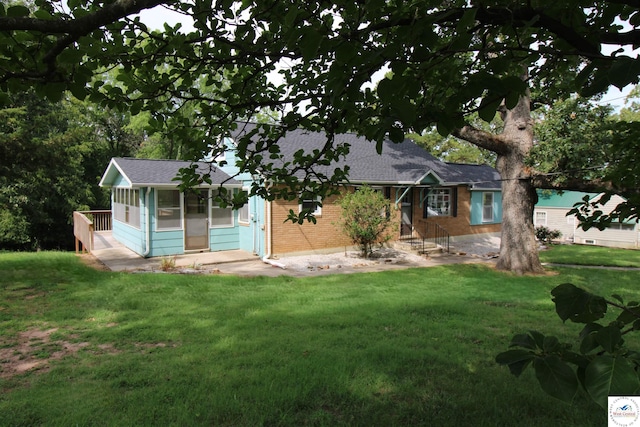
[[267, 256], [147, 224]]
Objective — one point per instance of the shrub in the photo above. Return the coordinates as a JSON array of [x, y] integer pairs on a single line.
[[366, 218], [546, 235]]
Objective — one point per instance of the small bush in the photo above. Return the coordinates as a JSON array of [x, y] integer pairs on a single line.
[[546, 235], [366, 218]]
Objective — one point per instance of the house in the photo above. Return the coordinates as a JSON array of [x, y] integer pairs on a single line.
[[552, 211], [152, 218]]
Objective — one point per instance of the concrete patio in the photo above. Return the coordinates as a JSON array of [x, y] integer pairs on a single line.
[[117, 257]]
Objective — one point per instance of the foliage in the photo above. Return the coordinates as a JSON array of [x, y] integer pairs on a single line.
[[603, 365], [443, 61], [573, 140], [53, 155], [546, 235], [43, 175], [585, 147], [366, 218], [451, 149]]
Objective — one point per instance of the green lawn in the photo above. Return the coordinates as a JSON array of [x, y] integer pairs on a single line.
[[412, 347], [591, 255]]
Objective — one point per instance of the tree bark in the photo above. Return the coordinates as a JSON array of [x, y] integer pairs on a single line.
[[518, 247]]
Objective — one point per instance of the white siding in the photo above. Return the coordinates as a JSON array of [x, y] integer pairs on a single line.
[[557, 220]]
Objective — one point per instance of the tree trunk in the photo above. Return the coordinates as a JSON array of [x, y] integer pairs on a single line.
[[518, 247]]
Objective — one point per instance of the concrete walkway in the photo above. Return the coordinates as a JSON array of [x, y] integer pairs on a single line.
[[116, 257]]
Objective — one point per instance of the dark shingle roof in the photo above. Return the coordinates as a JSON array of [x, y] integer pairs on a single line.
[[142, 172], [402, 163], [479, 176]]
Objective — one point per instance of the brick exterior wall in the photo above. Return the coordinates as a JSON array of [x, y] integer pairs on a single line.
[[325, 236], [460, 225], [308, 237]]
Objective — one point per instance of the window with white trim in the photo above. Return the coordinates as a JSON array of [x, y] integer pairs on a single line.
[[314, 206], [624, 226], [439, 202], [220, 217], [487, 207], [126, 206], [168, 211], [243, 212], [540, 218]]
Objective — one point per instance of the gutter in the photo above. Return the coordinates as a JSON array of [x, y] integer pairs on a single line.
[[147, 248], [267, 256]]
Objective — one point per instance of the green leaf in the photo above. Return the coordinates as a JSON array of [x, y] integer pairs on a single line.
[[556, 377], [387, 90], [444, 126], [467, 20], [610, 376], [78, 90], [631, 314], [488, 107], [588, 344], [310, 43], [523, 340], [551, 344], [516, 360], [511, 100], [618, 298], [609, 338], [396, 134], [578, 305], [52, 91], [538, 338], [624, 71], [42, 14], [17, 11]]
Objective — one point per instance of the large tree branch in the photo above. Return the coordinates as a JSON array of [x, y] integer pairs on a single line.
[[482, 139], [108, 14], [550, 182]]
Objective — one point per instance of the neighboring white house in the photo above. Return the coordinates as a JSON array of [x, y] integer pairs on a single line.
[[552, 209]]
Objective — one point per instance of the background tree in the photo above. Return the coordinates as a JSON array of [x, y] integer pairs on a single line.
[[42, 178], [573, 143], [451, 149], [582, 146], [448, 60], [51, 160]]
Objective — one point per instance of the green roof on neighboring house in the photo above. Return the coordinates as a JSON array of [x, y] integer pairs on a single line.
[[565, 199]]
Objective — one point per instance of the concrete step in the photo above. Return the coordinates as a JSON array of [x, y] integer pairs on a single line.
[[416, 246]]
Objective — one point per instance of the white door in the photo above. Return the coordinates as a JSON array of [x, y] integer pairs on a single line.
[[196, 230]]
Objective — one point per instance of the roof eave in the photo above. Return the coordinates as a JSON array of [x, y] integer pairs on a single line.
[[113, 164]]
